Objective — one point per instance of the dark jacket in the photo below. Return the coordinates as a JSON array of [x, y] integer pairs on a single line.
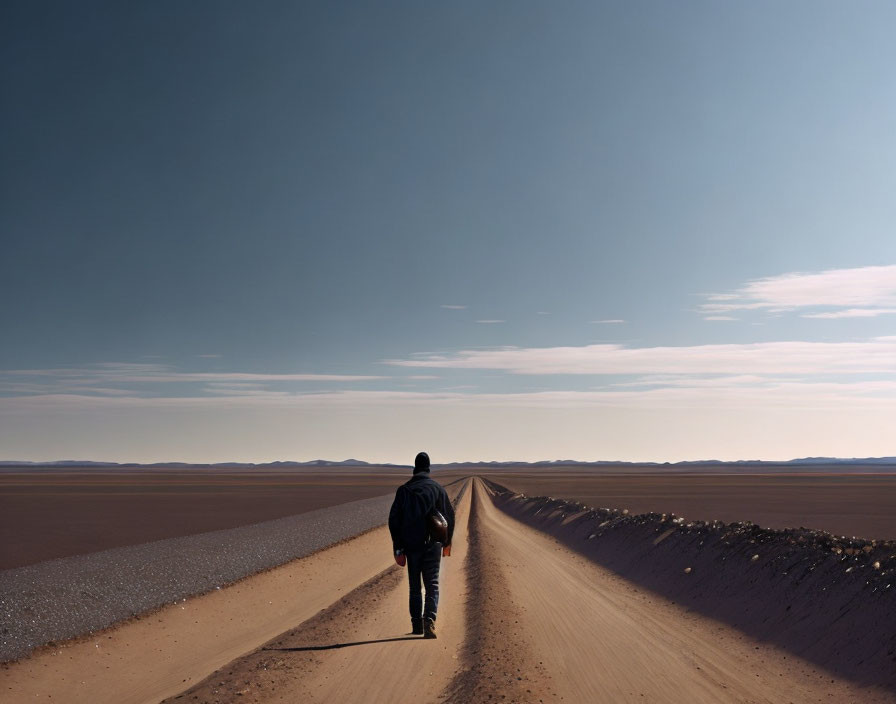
[[414, 501]]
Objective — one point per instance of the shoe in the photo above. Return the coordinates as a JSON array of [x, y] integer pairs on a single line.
[[417, 626], [429, 628]]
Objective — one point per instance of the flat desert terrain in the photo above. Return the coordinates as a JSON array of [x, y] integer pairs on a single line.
[[540, 601], [857, 503], [70, 511]]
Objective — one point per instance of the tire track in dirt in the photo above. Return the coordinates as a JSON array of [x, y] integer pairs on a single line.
[[279, 666], [498, 664]]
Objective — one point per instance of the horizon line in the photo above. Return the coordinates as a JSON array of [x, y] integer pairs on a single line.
[[349, 462]]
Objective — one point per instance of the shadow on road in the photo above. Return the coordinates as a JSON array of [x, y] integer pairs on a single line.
[[344, 645]]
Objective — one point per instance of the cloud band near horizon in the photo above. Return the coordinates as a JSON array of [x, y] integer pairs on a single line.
[[877, 355], [860, 292]]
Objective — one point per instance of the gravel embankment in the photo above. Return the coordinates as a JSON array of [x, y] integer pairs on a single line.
[[60, 599]]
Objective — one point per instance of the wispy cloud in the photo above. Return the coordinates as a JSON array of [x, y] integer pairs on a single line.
[[608, 321], [125, 378], [208, 356], [853, 313], [490, 322], [717, 382], [452, 307], [234, 385], [731, 392], [718, 317], [862, 288], [232, 391], [126, 372], [13, 387], [876, 355]]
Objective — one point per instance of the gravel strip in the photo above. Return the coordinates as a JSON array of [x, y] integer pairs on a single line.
[[60, 599]]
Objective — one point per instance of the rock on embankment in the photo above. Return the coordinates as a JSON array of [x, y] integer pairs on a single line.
[[828, 599]]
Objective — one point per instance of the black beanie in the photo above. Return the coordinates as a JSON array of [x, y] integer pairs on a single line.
[[421, 462]]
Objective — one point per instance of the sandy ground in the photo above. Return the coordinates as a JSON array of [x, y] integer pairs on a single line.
[[521, 619]]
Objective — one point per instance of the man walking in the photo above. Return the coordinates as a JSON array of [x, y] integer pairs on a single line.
[[410, 521]]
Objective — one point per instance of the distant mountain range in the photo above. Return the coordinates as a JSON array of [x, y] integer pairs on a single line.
[[686, 463], [462, 465]]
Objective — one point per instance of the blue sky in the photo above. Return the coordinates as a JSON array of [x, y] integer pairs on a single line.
[[288, 231]]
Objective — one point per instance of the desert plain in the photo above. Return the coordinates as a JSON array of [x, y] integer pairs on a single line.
[[626, 585]]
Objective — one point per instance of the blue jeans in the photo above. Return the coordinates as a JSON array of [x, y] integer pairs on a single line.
[[425, 563]]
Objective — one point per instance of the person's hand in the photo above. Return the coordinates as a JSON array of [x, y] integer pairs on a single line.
[[400, 559], [446, 551]]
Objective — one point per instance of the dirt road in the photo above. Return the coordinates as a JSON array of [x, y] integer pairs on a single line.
[[521, 618]]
